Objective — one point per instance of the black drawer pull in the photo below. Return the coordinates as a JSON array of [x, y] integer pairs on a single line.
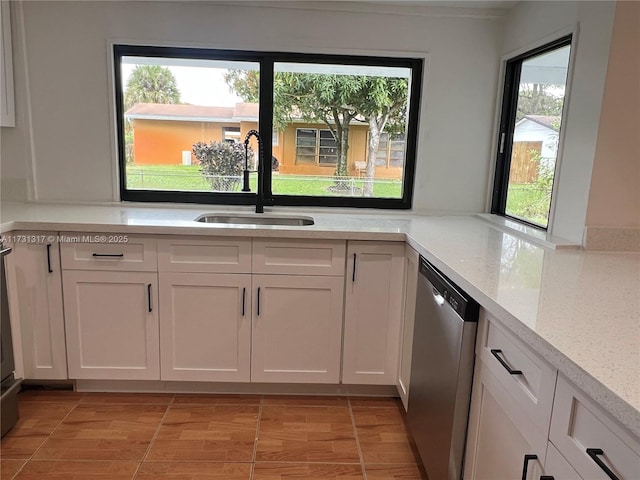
[[111, 255], [496, 353], [547, 477], [49, 269], [353, 276], [594, 454], [258, 301], [525, 466]]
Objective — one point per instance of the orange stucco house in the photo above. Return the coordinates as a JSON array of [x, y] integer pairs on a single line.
[[163, 134]]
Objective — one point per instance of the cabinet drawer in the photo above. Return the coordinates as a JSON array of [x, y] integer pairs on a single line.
[[299, 257], [108, 251], [534, 386], [200, 254], [579, 424]]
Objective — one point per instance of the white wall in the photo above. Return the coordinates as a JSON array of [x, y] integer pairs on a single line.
[[68, 94], [527, 25]]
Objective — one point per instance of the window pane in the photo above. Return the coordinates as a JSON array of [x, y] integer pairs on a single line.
[[534, 150], [314, 94], [183, 125]]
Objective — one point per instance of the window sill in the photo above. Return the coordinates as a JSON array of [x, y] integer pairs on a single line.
[[531, 234]]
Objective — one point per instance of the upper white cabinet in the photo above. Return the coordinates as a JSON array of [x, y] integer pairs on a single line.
[[412, 265], [373, 311], [35, 283], [7, 102]]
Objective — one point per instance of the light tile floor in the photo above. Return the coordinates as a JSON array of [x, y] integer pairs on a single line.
[[91, 436]]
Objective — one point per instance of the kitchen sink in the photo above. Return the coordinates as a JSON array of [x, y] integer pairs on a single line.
[[258, 219]]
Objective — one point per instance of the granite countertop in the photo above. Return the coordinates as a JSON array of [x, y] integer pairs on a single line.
[[579, 310]]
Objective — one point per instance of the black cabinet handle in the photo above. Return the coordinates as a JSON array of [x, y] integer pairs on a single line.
[[353, 278], [525, 466], [547, 477], [49, 258], [149, 297], [594, 454], [258, 301], [112, 255], [496, 353], [244, 293]]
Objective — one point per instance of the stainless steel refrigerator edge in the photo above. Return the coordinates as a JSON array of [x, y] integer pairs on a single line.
[[441, 372]]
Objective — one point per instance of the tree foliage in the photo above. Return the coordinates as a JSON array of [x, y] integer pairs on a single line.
[[151, 84], [335, 100], [537, 99], [221, 163]]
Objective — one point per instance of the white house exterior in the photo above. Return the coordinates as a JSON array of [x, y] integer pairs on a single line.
[[539, 128]]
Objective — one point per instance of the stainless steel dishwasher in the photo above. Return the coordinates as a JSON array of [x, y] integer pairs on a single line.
[[441, 372]]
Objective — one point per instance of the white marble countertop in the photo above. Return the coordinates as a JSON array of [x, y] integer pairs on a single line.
[[579, 310]]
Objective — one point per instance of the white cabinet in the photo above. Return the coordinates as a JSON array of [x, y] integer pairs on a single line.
[[112, 325], [7, 103], [297, 326], [595, 445], [34, 278], [557, 466], [205, 326], [502, 441], [373, 311], [412, 264]]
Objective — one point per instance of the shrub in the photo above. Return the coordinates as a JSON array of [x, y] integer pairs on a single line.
[[221, 163]]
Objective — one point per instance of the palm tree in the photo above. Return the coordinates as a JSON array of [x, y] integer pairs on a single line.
[[151, 84]]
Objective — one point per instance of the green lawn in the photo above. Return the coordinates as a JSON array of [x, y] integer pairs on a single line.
[[189, 178], [529, 202]]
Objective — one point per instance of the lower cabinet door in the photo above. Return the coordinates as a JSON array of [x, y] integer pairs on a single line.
[[557, 466], [205, 327], [501, 443], [112, 325], [297, 328]]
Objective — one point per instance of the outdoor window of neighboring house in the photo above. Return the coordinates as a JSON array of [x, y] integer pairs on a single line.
[[315, 146], [390, 151], [231, 134], [535, 88], [183, 115]]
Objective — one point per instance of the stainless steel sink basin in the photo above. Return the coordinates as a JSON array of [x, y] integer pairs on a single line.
[[258, 219]]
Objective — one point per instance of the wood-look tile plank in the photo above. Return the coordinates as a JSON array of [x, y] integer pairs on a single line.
[[104, 432], [395, 472], [215, 399], [305, 400], [37, 421], [306, 471], [77, 470], [194, 471], [306, 434], [215, 433], [383, 435], [8, 468], [127, 398]]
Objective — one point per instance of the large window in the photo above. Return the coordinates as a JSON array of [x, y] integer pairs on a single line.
[[533, 100], [183, 116]]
